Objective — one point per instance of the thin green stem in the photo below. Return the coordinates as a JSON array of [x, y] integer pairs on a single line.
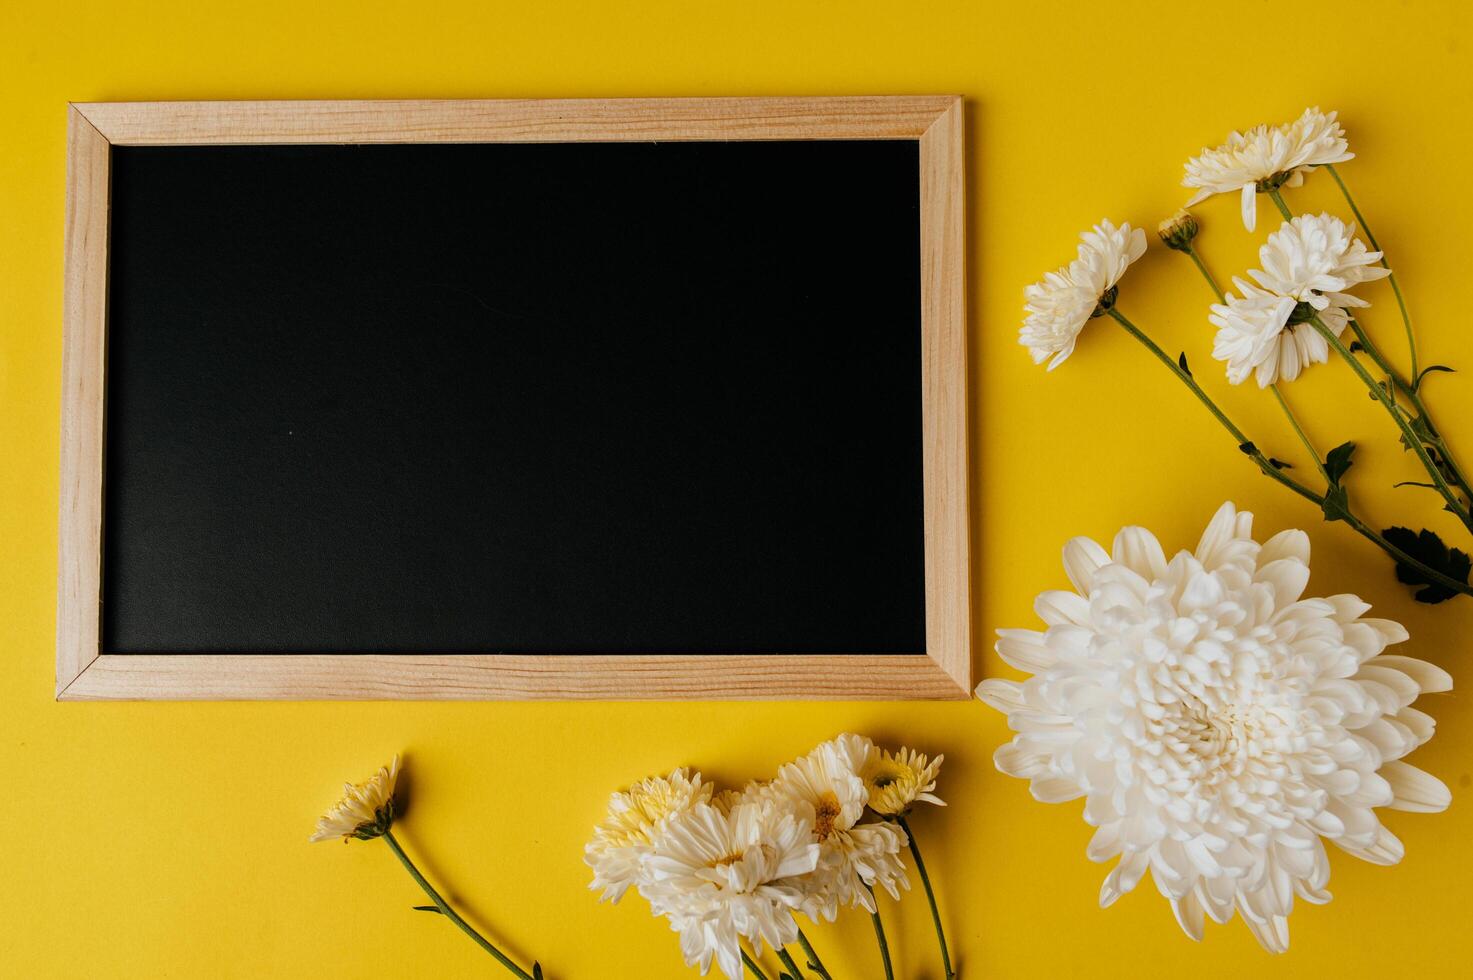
[[1299, 431], [751, 966], [814, 963], [915, 852], [880, 937], [787, 958], [1268, 469], [1206, 273], [1278, 199], [1243, 441], [1360, 220], [449, 912], [1413, 441]]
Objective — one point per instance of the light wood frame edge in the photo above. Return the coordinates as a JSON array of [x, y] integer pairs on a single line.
[[945, 673]]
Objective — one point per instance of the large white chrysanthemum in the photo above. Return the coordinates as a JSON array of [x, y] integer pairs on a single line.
[[1062, 302], [721, 877], [1219, 726], [1308, 266], [827, 788], [622, 838], [1266, 158]]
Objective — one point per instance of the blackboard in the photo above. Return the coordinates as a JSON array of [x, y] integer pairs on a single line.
[[620, 398]]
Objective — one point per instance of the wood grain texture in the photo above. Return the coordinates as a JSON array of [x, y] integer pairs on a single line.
[[515, 121], [944, 395], [944, 673], [227, 677], [84, 321]]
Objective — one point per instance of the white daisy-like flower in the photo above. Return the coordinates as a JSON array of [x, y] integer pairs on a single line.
[[1308, 266], [1266, 158], [1219, 725], [622, 838], [897, 781], [1062, 302], [721, 877], [826, 787], [366, 810]]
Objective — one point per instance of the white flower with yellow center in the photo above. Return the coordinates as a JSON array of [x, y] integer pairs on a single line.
[[1219, 726], [1308, 266], [826, 787], [366, 810], [721, 877], [622, 838], [1060, 304], [897, 781], [1266, 158]]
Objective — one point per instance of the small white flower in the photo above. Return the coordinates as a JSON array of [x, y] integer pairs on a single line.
[[1308, 264], [897, 781], [827, 788], [622, 838], [723, 877], [1062, 302], [366, 810], [1266, 158], [1220, 726]]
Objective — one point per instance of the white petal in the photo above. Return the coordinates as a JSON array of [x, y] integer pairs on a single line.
[[1082, 558], [1417, 791]]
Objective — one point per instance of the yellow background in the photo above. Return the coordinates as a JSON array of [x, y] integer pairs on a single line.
[[169, 840]]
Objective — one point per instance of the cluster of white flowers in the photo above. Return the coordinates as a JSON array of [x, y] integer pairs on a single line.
[[1219, 725], [733, 867], [1264, 329]]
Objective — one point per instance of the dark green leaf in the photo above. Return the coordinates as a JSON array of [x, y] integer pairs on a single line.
[[1182, 360], [1355, 347], [1414, 483], [536, 971], [1279, 464], [426, 908], [1417, 382], [1248, 449], [1338, 461], [1427, 548], [1337, 503]]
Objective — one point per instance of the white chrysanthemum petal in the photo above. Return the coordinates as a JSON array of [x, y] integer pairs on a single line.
[[1416, 790], [1218, 723], [1082, 558]]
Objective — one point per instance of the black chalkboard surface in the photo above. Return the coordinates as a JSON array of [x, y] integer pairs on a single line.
[[523, 398]]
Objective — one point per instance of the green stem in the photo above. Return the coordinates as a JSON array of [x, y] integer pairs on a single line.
[[756, 970], [1413, 441], [1360, 220], [787, 958], [814, 963], [1206, 274], [1243, 441], [1299, 430], [1359, 526], [884, 945], [1278, 199], [449, 912], [915, 852]]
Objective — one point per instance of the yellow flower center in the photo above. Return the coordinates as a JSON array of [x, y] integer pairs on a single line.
[[825, 814]]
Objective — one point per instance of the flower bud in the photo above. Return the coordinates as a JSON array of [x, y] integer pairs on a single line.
[[1178, 230]]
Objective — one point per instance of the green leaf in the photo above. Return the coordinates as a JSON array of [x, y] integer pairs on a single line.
[[536, 971], [1414, 483], [1355, 347], [1427, 548], [1337, 503], [1279, 464], [1417, 382], [427, 908], [1338, 461], [1248, 449], [1182, 360]]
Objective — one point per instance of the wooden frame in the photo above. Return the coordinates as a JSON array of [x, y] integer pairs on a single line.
[[86, 672]]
